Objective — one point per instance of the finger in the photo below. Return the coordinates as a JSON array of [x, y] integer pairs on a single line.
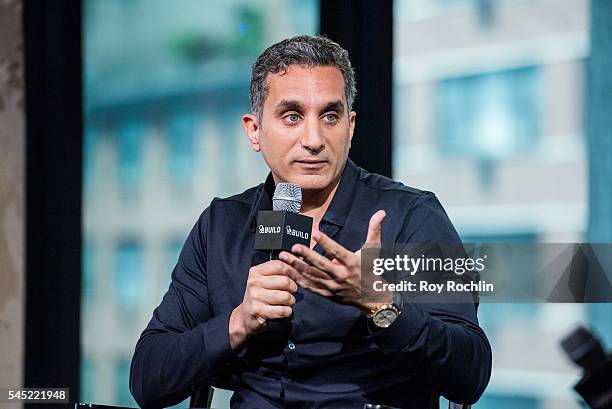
[[319, 282], [332, 247], [276, 297], [301, 267], [271, 312], [324, 292], [273, 267], [317, 260], [374, 228], [278, 282], [311, 277], [300, 279]]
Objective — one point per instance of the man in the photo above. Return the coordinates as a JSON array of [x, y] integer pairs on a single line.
[[296, 332]]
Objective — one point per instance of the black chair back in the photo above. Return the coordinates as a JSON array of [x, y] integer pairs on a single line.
[[201, 398]]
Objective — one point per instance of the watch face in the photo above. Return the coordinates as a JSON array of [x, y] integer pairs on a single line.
[[384, 318]]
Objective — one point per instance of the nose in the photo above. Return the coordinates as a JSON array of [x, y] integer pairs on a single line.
[[313, 140]]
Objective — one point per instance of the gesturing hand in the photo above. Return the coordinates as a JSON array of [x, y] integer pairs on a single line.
[[340, 278]]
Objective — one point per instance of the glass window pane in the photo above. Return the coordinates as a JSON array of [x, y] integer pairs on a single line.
[[129, 146], [488, 116], [129, 275], [122, 379], [180, 137]]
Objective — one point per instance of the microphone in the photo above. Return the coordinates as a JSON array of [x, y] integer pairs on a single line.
[[283, 227]]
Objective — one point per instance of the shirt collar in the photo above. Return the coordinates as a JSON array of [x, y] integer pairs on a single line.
[[341, 203], [338, 209]]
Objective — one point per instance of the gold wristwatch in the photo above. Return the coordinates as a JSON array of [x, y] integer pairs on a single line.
[[384, 315]]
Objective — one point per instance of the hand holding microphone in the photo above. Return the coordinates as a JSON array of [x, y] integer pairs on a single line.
[[268, 295], [269, 291]]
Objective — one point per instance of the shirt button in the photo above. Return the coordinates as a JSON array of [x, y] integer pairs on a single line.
[[291, 345]]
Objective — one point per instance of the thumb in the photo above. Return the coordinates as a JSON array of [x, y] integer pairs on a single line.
[[374, 229]]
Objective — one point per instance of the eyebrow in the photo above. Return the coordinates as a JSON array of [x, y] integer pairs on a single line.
[[337, 106], [288, 105], [292, 105]]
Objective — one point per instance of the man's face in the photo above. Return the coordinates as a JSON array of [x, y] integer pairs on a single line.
[[306, 130]]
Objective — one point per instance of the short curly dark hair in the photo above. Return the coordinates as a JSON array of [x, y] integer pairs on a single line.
[[300, 50]]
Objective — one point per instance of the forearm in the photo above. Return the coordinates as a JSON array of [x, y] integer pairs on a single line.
[[450, 352], [167, 364]]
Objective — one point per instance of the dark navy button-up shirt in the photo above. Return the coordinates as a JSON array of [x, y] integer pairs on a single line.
[[324, 356]]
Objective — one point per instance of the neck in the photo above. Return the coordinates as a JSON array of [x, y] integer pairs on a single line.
[[316, 202]]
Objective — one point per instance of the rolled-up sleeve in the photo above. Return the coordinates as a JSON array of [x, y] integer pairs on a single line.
[[182, 346]]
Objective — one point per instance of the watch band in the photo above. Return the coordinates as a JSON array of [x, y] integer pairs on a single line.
[[398, 300]]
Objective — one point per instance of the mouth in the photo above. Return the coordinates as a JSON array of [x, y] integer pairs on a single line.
[[311, 163]]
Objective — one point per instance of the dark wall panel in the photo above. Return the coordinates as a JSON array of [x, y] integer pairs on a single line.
[[365, 29], [52, 32]]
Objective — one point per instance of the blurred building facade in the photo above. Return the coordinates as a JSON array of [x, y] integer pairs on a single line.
[[488, 110], [165, 89]]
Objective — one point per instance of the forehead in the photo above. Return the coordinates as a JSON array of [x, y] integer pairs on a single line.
[[309, 85]]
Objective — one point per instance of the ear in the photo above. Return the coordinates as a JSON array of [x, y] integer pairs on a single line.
[[352, 118], [250, 124]]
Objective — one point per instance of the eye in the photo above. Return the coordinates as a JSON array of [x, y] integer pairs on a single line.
[[291, 119], [331, 118]]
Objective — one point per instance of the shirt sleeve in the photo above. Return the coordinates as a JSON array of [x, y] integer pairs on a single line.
[[441, 342], [182, 346]]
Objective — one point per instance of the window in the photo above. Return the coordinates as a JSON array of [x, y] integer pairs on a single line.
[[88, 376], [172, 251], [129, 146], [174, 248], [122, 383], [181, 145], [129, 275], [488, 116]]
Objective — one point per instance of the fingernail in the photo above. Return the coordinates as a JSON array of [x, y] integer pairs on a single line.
[[316, 235], [282, 256]]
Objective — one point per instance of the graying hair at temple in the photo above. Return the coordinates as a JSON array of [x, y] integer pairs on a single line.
[[303, 50]]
